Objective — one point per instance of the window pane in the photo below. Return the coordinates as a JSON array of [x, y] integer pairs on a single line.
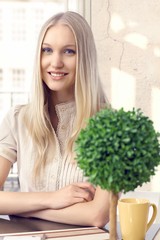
[[18, 79]]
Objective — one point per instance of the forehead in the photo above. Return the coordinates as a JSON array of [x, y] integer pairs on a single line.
[[59, 34]]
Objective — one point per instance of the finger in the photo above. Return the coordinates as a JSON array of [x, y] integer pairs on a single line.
[[83, 193], [79, 200], [86, 185]]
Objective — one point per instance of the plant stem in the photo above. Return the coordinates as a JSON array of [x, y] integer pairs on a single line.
[[113, 216]]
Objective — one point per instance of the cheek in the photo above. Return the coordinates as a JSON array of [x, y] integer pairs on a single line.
[[44, 62], [74, 66], [43, 68]]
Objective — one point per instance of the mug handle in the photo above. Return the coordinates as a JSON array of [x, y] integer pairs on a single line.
[[153, 215]]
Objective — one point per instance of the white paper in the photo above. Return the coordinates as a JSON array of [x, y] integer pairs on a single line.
[[6, 217], [23, 238]]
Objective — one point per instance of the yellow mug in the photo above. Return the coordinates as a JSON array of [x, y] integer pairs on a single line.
[[133, 215]]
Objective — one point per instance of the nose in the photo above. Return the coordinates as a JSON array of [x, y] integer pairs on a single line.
[[57, 60]]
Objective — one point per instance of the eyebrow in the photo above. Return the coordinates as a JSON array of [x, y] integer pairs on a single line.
[[68, 45]]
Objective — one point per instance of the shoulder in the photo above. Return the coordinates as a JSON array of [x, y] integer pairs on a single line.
[[13, 114], [15, 110]]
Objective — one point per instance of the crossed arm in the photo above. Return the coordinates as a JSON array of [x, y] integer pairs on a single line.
[[89, 213], [78, 203]]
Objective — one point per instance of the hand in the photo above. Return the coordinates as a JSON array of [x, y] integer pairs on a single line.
[[72, 194]]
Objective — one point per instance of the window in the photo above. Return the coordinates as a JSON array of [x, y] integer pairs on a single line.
[[1, 78], [18, 32], [18, 79], [1, 33]]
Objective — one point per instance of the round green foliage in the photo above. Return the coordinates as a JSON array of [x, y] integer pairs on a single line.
[[118, 150]]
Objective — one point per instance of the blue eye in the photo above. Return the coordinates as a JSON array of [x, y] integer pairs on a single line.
[[69, 51], [47, 50]]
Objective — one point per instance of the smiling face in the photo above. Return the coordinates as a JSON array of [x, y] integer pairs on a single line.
[[58, 61]]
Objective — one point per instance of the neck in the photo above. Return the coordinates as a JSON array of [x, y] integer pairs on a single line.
[[55, 98]]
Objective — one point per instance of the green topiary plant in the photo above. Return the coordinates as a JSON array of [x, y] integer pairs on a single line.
[[118, 151]]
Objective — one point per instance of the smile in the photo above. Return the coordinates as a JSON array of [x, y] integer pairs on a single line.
[[57, 74]]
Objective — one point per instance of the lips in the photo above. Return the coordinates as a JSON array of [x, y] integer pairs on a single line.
[[58, 74]]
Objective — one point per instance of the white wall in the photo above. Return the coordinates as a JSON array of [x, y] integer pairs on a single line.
[[127, 35]]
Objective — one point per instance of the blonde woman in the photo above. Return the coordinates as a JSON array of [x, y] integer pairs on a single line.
[[40, 136]]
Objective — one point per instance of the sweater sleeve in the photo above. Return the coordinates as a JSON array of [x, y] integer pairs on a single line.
[[8, 145]]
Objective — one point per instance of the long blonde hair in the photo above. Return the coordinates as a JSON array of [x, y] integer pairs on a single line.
[[88, 90]]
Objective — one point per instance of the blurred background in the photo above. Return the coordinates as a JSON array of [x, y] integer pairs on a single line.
[[127, 35]]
